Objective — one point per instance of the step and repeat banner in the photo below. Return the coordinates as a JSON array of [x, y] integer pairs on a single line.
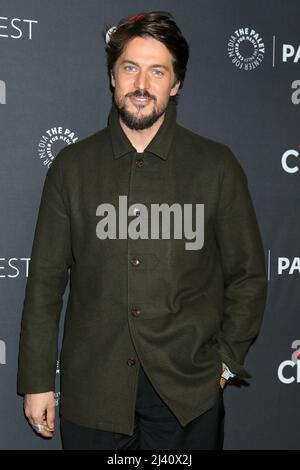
[[242, 88]]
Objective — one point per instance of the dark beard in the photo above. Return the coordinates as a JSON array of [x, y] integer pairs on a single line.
[[139, 123]]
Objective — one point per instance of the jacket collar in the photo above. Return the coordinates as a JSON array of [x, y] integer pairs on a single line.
[[159, 145]]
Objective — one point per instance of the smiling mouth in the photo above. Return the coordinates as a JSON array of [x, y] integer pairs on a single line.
[[140, 100]]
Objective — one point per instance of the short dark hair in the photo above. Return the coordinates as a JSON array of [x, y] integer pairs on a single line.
[[160, 26]]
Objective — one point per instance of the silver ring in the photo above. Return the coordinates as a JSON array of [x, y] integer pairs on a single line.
[[38, 427]]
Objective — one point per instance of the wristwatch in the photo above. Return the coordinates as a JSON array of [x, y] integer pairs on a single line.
[[227, 374]]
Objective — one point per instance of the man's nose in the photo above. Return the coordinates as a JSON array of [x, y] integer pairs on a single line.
[[142, 80]]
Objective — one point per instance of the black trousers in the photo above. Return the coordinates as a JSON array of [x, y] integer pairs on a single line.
[[156, 427]]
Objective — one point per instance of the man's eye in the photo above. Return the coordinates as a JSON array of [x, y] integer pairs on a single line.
[[157, 72], [129, 68]]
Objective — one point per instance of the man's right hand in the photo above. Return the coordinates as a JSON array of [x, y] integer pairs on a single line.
[[39, 408]]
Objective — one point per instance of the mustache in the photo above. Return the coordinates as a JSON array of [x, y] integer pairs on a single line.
[[141, 94]]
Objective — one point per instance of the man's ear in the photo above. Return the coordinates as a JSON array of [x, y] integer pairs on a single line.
[[175, 89], [112, 77]]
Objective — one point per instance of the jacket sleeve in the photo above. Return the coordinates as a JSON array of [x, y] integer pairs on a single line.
[[51, 256], [243, 263]]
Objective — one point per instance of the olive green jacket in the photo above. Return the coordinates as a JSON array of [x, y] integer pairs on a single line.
[[178, 312]]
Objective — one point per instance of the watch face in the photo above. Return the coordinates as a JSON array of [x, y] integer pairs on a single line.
[[225, 374]]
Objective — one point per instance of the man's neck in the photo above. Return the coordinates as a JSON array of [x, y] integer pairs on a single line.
[[141, 138]]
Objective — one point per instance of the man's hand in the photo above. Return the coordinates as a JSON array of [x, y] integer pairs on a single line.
[[39, 409], [222, 380]]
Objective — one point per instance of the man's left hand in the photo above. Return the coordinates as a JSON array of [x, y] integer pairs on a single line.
[[222, 380]]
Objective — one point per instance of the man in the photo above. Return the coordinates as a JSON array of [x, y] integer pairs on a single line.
[[155, 323]]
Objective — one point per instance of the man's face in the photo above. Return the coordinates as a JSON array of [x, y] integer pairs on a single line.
[[143, 80]]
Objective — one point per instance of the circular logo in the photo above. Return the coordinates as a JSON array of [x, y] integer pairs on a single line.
[[246, 49], [52, 141]]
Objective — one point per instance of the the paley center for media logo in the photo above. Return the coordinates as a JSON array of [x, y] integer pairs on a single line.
[[52, 141], [246, 48]]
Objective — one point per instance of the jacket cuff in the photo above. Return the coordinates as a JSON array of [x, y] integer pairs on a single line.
[[236, 367]]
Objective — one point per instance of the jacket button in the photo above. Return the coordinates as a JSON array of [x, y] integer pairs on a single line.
[[135, 261], [139, 163], [131, 361], [136, 311]]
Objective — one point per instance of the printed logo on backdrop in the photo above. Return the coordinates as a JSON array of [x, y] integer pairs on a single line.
[[285, 266], [14, 267], [2, 352], [296, 94], [16, 28], [289, 54], [288, 266], [52, 141], [289, 161], [2, 92], [289, 370], [246, 49]]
